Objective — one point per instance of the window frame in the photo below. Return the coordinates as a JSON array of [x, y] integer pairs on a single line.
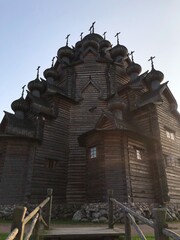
[[93, 152], [139, 152], [51, 163], [170, 134]]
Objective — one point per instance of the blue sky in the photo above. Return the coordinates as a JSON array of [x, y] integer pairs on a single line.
[[33, 30]]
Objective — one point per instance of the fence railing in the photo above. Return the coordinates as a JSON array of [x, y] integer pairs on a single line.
[[161, 231], [20, 220]]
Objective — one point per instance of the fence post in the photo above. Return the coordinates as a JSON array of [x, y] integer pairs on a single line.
[[49, 194], [110, 209], [127, 225], [18, 217], [37, 228], [159, 215]]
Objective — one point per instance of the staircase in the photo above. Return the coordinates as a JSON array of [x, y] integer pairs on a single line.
[[84, 233]]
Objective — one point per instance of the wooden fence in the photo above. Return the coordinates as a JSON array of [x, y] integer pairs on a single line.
[[161, 231], [20, 220]]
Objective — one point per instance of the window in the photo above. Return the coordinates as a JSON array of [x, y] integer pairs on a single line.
[[170, 134], [169, 161], [51, 163], [139, 154], [93, 152]]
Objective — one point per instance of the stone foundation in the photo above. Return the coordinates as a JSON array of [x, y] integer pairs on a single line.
[[94, 212]]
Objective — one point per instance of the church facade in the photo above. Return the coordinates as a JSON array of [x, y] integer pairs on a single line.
[[94, 123]]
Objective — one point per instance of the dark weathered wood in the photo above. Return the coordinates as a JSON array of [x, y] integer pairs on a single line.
[[159, 215], [49, 206], [83, 233], [127, 227], [92, 98], [37, 229], [137, 228], [28, 235], [134, 214], [110, 209], [171, 234], [36, 210], [18, 222]]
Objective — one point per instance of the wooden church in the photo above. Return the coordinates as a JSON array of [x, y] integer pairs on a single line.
[[94, 123]]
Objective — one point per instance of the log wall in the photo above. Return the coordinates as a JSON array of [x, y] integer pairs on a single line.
[[82, 120], [51, 158], [95, 171], [140, 172], [114, 165], [14, 180], [170, 148], [107, 170]]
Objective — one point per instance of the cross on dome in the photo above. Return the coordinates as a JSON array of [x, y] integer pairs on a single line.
[[81, 35], [67, 39], [23, 91], [104, 34], [117, 35], [38, 71], [52, 62], [91, 29], [152, 63], [131, 54]]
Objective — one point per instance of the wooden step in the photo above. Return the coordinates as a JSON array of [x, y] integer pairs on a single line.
[[70, 233]]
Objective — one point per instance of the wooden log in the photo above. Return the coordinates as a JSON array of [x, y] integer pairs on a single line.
[[32, 227], [110, 212], [18, 221], [136, 215], [159, 215], [33, 213], [36, 229], [127, 227], [13, 234], [137, 228], [49, 194], [171, 234]]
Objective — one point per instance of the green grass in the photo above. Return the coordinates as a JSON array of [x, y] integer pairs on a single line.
[[147, 237], [138, 238], [3, 236]]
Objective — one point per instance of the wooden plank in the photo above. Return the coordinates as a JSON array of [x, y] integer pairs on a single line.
[[137, 228], [13, 234], [80, 232], [171, 234]]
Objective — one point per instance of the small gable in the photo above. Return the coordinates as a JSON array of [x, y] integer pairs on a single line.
[[89, 88], [105, 122], [89, 55]]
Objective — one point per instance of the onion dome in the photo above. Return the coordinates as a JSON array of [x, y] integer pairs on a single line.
[[50, 72], [133, 68], [104, 44], [20, 105], [90, 43], [154, 75], [118, 50], [65, 52], [92, 40], [78, 44], [116, 103], [36, 85], [93, 36]]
